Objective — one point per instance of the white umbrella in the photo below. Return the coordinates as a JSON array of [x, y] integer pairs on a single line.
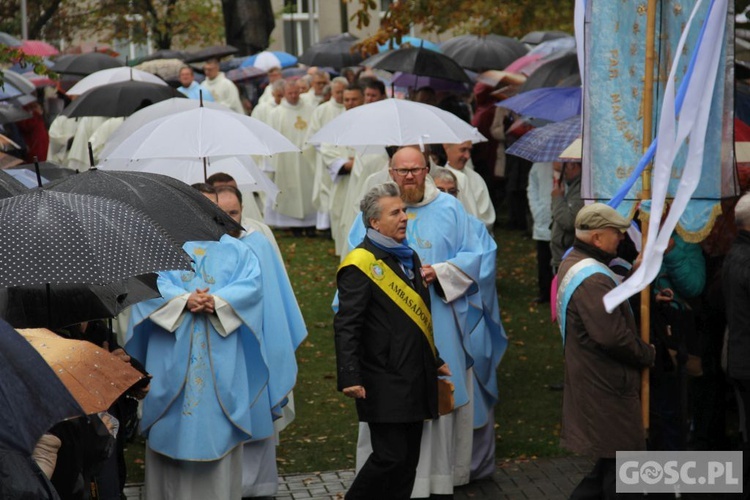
[[266, 60], [190, 170], [151, 113], [113, 75], [396, 122], [202, 133]]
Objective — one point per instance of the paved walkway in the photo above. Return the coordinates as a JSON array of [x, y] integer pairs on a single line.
[[528, 479]]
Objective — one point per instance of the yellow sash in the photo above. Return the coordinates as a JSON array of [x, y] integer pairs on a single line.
[[404, 296]]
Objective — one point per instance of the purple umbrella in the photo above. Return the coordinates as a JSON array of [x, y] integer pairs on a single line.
[[549, 103], [548, 142]]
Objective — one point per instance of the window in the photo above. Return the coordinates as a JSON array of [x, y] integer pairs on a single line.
[[301, 29]]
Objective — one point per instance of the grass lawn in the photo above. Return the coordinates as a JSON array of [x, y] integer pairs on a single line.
[[324, 434]]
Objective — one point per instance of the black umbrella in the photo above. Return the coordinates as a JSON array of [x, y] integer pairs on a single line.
[[57, 238], [33, 398], [184, 212], [84, 64], [164, 54], [483, 53], [47, 169], [537, 37], [215, 52], [119, 99], [418, 61], [10, 186], [334, 51], [552, 72], [57, 306]]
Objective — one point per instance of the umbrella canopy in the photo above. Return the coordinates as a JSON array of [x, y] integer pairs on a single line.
[[243, 74], [554, 104], [85, 64], [47, 169], [537, 37], [38, 48], [415, 82], [395, 122], [113, 75], [95, 377], [14, 85], [548, 142], [407, 42], [49, 237], [480, 53], [9, 40], [215, 52], [335, 51], [151, 113], [57, 306], [183, 212], [26, 177], [551, 71], [201, 133], [10, 186], [11, 112], [92, 47], [266, 60], [33, 398], [419, 61], [242, 168], [166, 69], [164, 54], [119, 99]]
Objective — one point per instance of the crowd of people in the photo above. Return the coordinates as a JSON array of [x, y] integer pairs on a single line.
[[417, 327]]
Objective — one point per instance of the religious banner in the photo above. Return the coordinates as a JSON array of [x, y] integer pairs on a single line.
[[615, 44]]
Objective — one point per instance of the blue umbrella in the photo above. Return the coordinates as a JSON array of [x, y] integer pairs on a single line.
[[548, 142], [409, 41], [33, 398], [285, 60], [550, 103]]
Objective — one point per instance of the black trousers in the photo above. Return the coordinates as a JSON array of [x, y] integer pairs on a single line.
[[599, 483], [544, 268], [391, 468], [742, 392]]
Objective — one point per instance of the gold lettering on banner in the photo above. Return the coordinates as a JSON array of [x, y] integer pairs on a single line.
[[642, 9], [636, 28], [677, 9], [614, 62], [633, 49], [623, 172]]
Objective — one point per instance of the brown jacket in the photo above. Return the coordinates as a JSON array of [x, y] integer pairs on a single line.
[[604, 356]]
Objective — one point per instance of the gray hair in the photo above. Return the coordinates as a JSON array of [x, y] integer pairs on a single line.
[[370, 204], [322, 73], [742, 212], [443, 174], [278, 85], [340, 80], [327, 90]]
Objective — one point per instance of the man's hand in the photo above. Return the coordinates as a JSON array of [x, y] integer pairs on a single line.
[[199, 301], [444, 370], [558, 189], [428, 273], [355, 391]]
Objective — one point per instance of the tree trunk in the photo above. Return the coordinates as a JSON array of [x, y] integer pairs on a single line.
[[248, 24]]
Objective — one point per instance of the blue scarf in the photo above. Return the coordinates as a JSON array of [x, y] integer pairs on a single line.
[[401, 251]]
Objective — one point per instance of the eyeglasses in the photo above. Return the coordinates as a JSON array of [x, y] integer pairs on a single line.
[[451, 191], [403, 172]]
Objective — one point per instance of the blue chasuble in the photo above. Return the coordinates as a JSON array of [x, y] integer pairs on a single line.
[[283, 325], [208, 388]]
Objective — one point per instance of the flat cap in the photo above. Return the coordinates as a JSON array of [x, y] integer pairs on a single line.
[[598, 216]]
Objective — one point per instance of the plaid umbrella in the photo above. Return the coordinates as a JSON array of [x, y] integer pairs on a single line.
[[546, 143]]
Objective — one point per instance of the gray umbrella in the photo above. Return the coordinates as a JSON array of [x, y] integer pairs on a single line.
[[10, 186], [480, 53], [84, 64], [184, 212], [57, 238]]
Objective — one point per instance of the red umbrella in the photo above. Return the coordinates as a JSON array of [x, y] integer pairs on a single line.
[[38, 48]]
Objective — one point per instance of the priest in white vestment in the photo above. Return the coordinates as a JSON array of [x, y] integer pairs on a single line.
[[323, 183], [61, 132], [78, 156], [294, 174], [274, 75], [263, 110], [458, 158], [318, 81], [224, 90]]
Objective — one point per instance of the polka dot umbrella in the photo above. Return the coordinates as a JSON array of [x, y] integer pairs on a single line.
[[54, 238]]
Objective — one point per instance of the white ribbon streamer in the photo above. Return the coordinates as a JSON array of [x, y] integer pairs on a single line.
[[692, 123]]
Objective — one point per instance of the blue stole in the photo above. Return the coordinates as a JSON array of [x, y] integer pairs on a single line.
[[571, 281]]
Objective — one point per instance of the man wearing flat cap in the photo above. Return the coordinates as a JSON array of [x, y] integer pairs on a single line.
[[604, 354]]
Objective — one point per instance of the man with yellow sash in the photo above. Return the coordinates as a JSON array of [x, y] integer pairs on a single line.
[[385, 351]]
